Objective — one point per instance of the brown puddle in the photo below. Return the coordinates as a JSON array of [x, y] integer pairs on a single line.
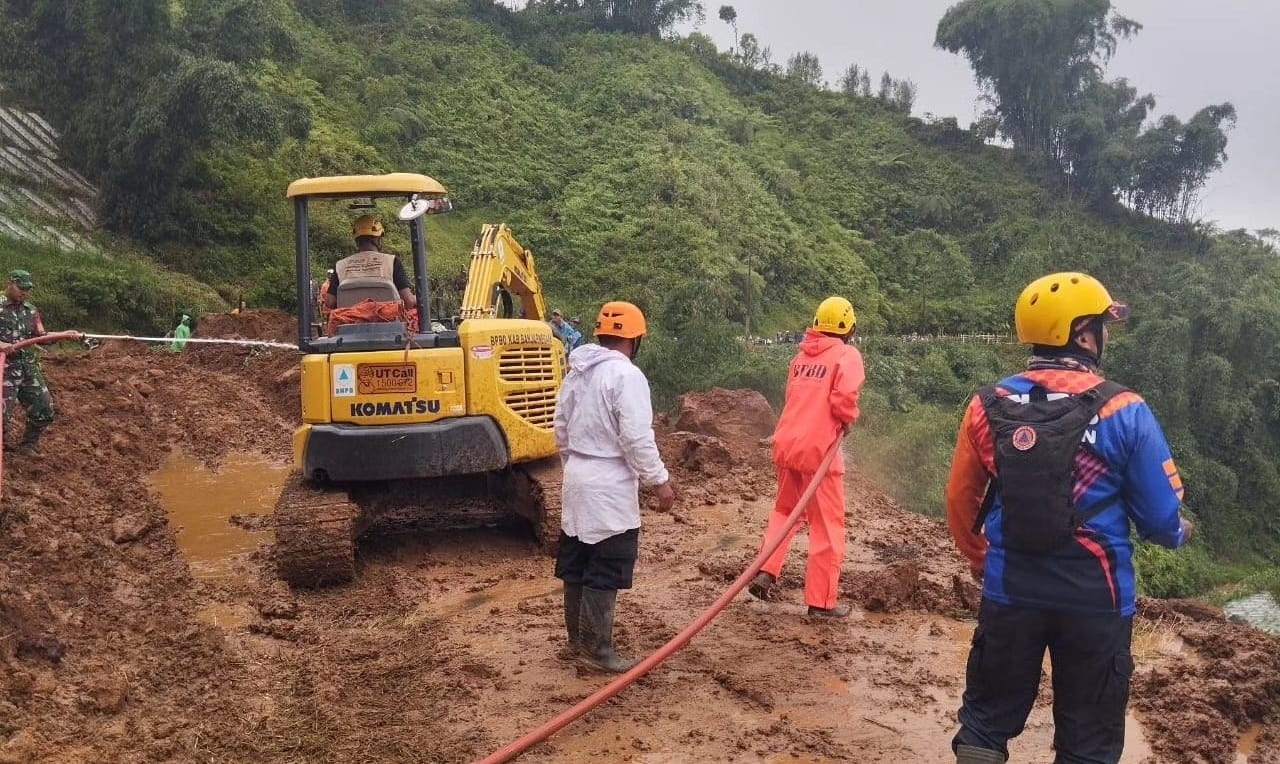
[[507, 593], [1136, 747], [1248, 743], [200, 504], [224, 616]]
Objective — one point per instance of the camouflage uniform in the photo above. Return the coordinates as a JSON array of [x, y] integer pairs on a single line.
[[23, 378]]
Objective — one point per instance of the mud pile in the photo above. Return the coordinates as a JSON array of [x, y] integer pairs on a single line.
[[1231, 683], [262, 324], [273, 371], [97, 636]]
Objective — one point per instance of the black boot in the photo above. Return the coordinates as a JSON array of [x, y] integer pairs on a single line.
[[595, 631], [838, 611], [760, 585], [572, 615], [30, 441]]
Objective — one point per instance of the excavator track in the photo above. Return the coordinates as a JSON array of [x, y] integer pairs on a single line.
[[316, 528], [535, 496]]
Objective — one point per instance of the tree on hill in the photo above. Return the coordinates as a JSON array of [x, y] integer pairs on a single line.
[[1032, 58], [644, 17], [1173, 160], [752, 54], [730, 16], [805, 68], [851, 80], [140, 94], [1040, 65]]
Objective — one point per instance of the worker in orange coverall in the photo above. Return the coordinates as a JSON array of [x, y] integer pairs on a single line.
[[823, 384]]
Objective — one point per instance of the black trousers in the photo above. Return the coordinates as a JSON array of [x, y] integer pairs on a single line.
[[1091, 663], [608, 564]]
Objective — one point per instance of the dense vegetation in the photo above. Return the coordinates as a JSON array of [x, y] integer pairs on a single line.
[[719, 191]]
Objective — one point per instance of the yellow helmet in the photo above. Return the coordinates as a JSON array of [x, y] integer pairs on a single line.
[[1049, 307], [367, 225], [835, 316]]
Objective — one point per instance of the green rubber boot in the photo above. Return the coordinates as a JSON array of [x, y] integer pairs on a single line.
[[595, 630], [967, 754], [572, 616]]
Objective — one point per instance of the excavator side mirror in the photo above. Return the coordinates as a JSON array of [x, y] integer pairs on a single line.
[[417, 207]]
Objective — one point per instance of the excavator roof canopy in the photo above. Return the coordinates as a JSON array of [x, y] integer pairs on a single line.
[[342, 186]]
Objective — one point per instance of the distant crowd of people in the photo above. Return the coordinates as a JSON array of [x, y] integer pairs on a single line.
[[779, 338]]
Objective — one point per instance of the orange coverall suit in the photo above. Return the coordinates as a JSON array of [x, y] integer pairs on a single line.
[[822, 398]]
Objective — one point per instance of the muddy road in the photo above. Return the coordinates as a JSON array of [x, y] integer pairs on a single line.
[[140, 620]]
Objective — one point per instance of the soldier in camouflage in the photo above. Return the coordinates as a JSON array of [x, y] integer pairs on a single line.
[[23, 378]]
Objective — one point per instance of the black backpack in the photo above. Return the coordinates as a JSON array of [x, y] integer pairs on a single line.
[[1035, 449]]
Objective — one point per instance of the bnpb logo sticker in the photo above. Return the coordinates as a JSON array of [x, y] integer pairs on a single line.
[[1024, 438]]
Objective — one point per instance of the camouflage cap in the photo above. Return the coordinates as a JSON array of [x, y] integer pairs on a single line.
[[21, 278]]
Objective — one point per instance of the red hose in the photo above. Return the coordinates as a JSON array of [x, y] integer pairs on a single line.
[[519, 746], [20, 344]]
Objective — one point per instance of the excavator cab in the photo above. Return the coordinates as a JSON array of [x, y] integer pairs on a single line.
[[435, 425]]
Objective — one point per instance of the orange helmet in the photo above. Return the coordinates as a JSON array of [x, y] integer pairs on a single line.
[[620, 319]]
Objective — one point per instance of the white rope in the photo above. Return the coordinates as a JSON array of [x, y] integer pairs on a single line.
[[166, 340]]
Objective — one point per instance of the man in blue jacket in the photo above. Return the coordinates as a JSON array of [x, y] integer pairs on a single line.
[[1051, 467], [564, 331]]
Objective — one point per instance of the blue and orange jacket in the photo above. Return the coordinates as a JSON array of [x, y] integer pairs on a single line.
[[1127, 469]]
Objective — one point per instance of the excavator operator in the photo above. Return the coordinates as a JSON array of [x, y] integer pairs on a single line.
[[369, 262]]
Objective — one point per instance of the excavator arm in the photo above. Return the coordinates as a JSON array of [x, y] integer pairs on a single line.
[[500, 264]]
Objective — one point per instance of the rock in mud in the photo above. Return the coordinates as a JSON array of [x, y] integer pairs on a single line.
[[891, 589], [279, 608], [703, 454], [251, 522], [287, 631], [44, 648], [967, 593], [130, 528], [740, 418], [109, 695]]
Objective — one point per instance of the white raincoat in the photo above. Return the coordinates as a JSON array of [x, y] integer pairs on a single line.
[[604, 432]]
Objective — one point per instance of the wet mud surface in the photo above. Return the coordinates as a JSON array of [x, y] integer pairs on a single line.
[[140, 620]]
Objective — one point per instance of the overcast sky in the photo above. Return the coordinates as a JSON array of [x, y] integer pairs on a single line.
[[1190, 53]]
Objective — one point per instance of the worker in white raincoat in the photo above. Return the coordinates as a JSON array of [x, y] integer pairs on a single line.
[[604, 433]]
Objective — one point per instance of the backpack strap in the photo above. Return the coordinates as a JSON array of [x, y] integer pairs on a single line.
[[1097, 396], [987, 395], [988, 503]]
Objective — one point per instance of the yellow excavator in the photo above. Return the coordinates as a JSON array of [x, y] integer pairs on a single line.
[[451, 422]]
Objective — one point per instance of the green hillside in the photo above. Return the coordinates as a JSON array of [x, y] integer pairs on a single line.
[[712, 190]]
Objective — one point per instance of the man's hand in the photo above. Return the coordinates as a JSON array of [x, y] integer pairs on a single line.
[[5, 347], [1188, 530], [666, 496]]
